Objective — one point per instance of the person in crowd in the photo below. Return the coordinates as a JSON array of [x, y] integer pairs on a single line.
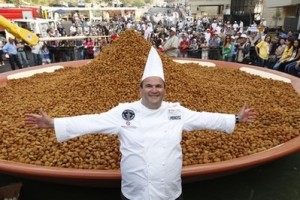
[[243, 50], [294, 58], [293, 68], [277, 48], [194, 49], [214, 48], [204, 50], [170, 48], [79, 47], [97, 47], [286, 55], [1, 53], [10, 49], [253, 40], [22, 54], [36, 52], [150, 169], [184, 46], [45, 55], [89, 46], [262, 49], [227, 49]]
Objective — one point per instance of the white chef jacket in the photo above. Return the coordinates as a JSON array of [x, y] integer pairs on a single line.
[[151, 161]]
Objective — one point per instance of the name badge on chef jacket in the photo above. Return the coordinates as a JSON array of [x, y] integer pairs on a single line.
[[174, 114]]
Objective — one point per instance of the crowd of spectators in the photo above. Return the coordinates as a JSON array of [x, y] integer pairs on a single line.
[[204, 38]]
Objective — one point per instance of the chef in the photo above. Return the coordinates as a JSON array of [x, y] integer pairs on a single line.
[[150, 132]]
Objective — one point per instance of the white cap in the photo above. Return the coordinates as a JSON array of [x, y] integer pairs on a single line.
[[173, 29], [153, 66], [243, 35]]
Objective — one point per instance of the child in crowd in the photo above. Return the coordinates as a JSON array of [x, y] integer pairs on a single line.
[[45, 55]]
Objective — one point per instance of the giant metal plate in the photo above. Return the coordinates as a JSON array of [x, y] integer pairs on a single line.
[[111, 178]]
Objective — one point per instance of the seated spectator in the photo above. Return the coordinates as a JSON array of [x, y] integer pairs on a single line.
[[293, 68], [286, 55], [294, 58], [276, 51]]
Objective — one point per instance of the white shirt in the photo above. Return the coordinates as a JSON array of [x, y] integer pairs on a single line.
[[151, 161], [172, 42], [36, 49]]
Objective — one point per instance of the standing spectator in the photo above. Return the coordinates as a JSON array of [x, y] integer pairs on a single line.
[[204, 50], [97, 47], [184, 46], [10, 50], [36, 53], [235, 26], [1, 53], [241, 26], [262, 49], [207, 34], [214, 48], [227, 49], [170, 48], [243, 50], [89, 46], [194, 49], [73, 29], [45, 55], [253, 40], [21, 54]]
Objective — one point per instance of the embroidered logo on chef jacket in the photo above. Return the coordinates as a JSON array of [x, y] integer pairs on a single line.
[[174, 114], [128, 115]]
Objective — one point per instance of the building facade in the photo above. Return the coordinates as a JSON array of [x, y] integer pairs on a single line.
[[212, 8], [285, 13]]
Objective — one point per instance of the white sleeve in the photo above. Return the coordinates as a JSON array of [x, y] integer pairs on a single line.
[[208, 121], [70, 127]]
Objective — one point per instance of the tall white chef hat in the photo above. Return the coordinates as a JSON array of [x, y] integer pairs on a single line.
[[153, 66]]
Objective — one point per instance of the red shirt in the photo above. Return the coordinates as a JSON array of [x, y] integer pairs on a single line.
[[182, 44], [114, 36]]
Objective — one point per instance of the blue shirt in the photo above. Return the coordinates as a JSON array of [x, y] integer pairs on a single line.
[[10, 48]]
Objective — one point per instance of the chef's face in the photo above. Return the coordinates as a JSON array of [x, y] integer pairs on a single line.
[[152, 92]]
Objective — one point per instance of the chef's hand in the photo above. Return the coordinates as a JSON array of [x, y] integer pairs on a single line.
[[246, 114], [41, 120]]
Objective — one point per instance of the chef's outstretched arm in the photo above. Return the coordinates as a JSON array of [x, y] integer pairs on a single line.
[[246, 114], [41, 120]]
